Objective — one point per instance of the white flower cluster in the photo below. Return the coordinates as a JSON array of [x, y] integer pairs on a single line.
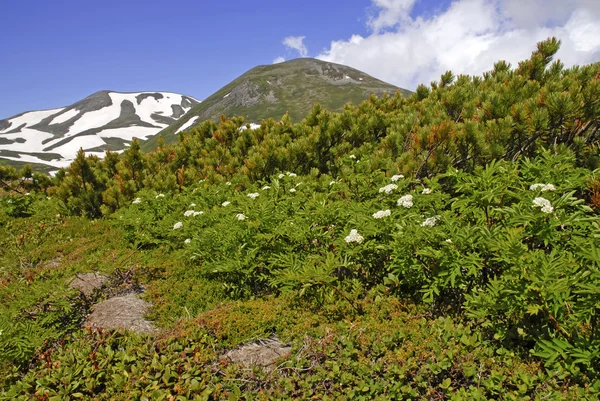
[[193, 205], [426, 191], [178, 225], [228, 183], [137, 200], [159, 196], [354, 236], [189, 213], [266, 187], [292, 190], [406, 201], [280, 176], [226, 203], [381, 214], [388, 188], [253, 195], [352, 157], [544, 204], [430, 221], [542, 187], [291, 174], [240, 216], [397, 177], [332, 183], [187, 241]]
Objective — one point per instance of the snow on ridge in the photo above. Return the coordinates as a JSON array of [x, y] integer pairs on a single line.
[[127, 133], [187, 124], [31, 118], [67, 115], [96, 119]]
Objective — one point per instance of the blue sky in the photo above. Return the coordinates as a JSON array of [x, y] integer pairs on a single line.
[[57, 52]]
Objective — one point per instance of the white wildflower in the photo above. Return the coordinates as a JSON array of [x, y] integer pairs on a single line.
[[159, 196], [542, 187], [280, 176], [193, 205], [397, 177], [430, 221], [406, 201], [291, 174], [226, 203], [198, 213], [187, 241], [178, 225], [381, 214], [292, 190], [354, 236], [388, 188], [189, 213], [449, 241], [27, 193], [332, 182], [266, 187], [228, 183], [544, 204], [426, 191], [253, 195], [137, 200], [352, 157], [240, 216]]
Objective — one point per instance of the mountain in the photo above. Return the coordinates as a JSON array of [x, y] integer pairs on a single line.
[[104, 119], [272, 90]]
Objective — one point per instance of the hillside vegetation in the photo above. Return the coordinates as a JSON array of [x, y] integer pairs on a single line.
[[290, 87], [440, 246]]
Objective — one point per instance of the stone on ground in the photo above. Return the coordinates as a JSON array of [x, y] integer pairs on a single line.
[[87, 283], [125, 311], [262, 352]]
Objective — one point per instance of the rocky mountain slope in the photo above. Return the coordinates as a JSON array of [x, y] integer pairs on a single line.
[[272, 90], [104, 119]]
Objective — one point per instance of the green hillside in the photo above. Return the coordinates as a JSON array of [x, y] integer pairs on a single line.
[[269, 91], [444, 245]]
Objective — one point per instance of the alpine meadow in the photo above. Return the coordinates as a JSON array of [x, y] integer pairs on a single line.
[[441, 244]]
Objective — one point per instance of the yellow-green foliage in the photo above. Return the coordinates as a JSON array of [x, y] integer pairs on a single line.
[[395, 351]]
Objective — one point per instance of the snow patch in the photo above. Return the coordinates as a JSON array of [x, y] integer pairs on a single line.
[[31, 118], [187, 124], [127, 133], [67, 115], [252, 126]]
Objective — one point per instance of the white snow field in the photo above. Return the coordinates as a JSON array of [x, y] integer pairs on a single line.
[[21, 138]]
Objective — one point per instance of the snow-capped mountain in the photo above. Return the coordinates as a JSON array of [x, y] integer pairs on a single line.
[[102, 120]]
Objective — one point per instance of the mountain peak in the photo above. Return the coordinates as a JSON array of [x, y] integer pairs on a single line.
[[103, 119], [293, 86]]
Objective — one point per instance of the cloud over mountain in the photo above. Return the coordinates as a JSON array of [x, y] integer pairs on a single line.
[[466, 37]]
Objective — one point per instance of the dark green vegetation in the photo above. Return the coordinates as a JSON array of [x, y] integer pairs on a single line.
[[442, 246], [272, 90]]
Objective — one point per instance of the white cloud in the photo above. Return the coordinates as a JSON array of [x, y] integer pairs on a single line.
[[296, 43], [278, 60], [466, 38]]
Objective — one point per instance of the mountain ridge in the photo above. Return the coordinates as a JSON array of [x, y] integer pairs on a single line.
[[271, 90], [101, 120]]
